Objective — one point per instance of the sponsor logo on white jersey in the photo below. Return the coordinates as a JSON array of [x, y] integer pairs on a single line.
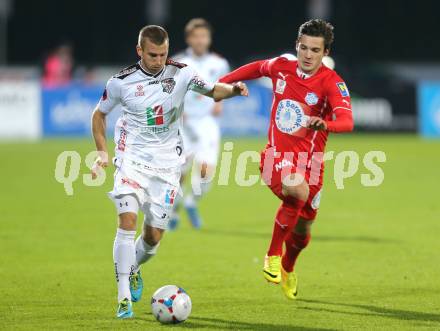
[[140, 91], [168, 85]]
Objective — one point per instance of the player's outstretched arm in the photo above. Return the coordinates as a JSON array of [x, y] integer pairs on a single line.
[[249, 71], [98, 130], [224, 91]]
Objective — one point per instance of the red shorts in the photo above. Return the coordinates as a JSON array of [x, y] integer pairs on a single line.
[[275, 167]]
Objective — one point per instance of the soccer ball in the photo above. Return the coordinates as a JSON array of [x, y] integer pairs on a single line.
[[171, 304]]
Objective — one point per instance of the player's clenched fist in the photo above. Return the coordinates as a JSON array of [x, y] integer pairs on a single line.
[[100, 162], [240, 88], [316, 123]]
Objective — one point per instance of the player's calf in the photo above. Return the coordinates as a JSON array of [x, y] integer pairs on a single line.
[[285, 221], [295, 243]]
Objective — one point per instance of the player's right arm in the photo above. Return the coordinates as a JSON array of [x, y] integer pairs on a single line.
[[249, 71], [110, 98]]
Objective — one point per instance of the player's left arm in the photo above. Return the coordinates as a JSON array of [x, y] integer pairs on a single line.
[[338, 98]]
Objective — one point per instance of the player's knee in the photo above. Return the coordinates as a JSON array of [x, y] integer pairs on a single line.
[[296, 187], [127, 221], [127, 207], [152, 236]]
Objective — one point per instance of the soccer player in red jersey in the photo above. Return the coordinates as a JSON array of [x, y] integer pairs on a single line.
[[310, 100]]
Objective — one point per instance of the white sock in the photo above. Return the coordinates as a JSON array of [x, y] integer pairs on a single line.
[[144, 252], [124, 257], [190, 201], [199, 186]]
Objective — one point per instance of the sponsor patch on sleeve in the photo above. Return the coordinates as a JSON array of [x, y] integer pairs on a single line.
[[343, 89]]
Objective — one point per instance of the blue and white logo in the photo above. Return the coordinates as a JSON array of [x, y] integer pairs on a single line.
[[289, 116], [311, 99]]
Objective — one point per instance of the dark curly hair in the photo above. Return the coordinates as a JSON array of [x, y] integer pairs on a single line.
[[317, 28]]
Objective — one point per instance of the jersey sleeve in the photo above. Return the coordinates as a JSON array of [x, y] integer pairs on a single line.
[[250, 71], [339, 100], [111, 96], [196, 83]]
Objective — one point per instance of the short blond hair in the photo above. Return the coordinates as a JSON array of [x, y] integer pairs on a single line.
[[155, 33]]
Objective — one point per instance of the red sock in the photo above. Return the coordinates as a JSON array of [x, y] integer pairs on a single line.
[[285, 221], [295, 243]]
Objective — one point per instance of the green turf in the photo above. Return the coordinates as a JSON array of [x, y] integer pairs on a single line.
[[373, 262]]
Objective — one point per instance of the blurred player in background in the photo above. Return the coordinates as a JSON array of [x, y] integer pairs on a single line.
[[148, 152], [310, 100], [58, 67], [201, 131]]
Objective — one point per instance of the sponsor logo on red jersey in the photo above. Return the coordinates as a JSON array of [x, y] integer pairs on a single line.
[[283, 163], [343, 89], [280, 86], [289, 116], [311, 99]]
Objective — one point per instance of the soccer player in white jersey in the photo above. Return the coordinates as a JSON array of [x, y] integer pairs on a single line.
[[201, 131], [148, 152]]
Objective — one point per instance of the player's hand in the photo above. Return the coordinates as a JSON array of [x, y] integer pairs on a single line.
[[240, 88], [100, 162], [317, 123]]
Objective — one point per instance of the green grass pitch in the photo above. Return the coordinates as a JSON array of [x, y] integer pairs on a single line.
[[373, 262]]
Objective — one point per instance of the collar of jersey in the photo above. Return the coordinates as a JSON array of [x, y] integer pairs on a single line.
[[147, 73], [303, 75]]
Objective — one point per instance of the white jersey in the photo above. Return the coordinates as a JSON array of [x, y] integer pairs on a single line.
[[210, 66], [148, 128]]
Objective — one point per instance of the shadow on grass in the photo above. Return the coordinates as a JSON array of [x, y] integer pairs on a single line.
[[216, 323], [397, 314], [250, 234]]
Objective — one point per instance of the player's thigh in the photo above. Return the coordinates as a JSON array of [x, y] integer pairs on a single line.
[[281, 176], [127, 193], [295, 186], [161, 193]]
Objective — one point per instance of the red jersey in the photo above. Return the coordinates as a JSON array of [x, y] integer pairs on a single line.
[[296, 98]]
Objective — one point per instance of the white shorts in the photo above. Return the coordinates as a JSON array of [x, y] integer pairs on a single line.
[[201, 140], [154, 189]]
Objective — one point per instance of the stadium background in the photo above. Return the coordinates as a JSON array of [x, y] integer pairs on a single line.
[[373, 262]]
